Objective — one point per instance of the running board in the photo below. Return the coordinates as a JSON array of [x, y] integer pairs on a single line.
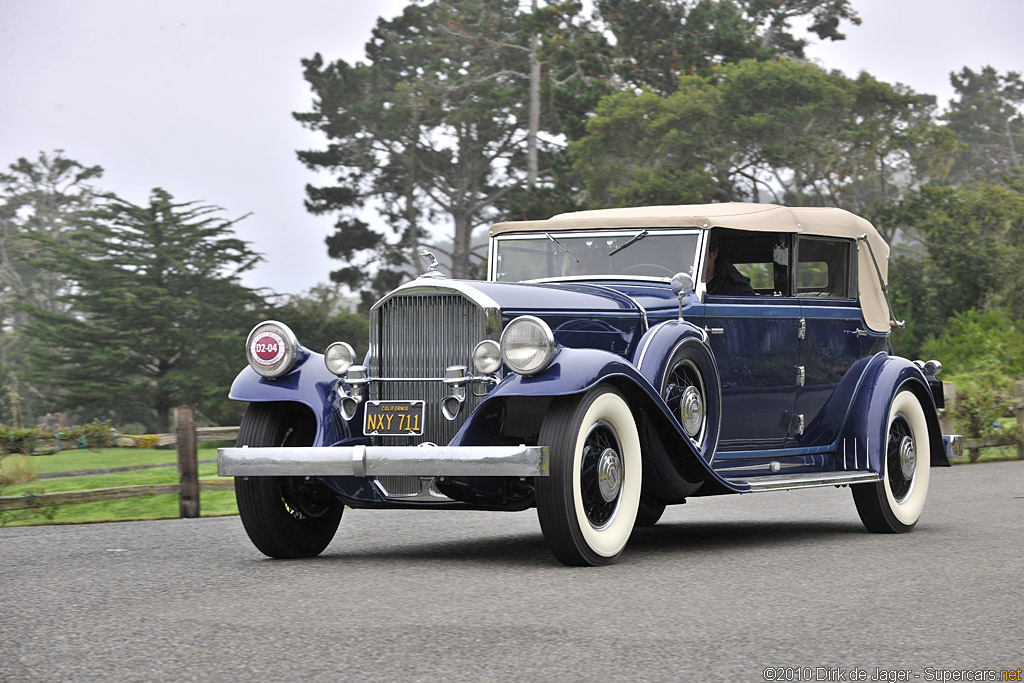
[[781, 482]]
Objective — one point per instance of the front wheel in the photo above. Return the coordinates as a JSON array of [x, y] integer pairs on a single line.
[[690, 389], [285, 517], [589, 502], [894, 504]]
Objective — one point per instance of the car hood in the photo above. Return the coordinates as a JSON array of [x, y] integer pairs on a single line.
[[580, 315]]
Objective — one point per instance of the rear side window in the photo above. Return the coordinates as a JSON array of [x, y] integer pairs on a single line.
[[823, 267]]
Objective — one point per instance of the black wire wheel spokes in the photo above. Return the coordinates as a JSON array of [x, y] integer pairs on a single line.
[[686, 397], [601, 474], [901, 458]]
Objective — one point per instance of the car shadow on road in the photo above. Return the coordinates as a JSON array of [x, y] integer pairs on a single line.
[[530, 550], [689, 536]]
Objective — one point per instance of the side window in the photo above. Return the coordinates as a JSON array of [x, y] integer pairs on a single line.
[[748, 263], [823, 268]]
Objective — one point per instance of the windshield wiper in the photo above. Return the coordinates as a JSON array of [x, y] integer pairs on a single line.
[[636, 238], [548, 235]]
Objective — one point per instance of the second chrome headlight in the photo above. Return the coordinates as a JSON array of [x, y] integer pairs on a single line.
[[527, 345]]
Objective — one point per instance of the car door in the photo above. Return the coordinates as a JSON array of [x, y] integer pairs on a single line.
[[755, 342]]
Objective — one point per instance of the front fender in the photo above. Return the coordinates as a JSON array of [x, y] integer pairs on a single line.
[[864, 435], [309, 384], [514, 410]]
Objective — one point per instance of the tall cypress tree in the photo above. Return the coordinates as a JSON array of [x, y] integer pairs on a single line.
[[160, 315]]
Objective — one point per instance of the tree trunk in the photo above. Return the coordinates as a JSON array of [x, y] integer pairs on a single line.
[[461, 243], [531, 136]]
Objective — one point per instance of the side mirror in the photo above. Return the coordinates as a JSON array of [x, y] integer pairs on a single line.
[[682, 285]]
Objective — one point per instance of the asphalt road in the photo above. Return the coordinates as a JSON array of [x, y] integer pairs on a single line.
[[721, 589]]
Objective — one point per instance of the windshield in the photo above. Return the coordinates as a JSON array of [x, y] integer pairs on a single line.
[[635, 253]]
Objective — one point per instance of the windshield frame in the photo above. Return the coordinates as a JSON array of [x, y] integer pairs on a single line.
[[629, 233]]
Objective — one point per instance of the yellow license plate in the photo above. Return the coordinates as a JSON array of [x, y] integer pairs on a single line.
[[393, 418]]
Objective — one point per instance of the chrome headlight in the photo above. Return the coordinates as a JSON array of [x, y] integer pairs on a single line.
[[487, 357], [527, 345], [272, 349], [339, 357]]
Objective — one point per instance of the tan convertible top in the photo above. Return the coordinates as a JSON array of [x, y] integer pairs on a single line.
[[741, 216]]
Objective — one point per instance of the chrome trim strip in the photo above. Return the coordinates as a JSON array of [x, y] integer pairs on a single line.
[[783, 482], [643, 351], [434, 286], [355, 461], [763, 465]]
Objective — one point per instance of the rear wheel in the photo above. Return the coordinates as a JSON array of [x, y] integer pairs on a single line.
[[588, 504], [285, 517], [894, 504]]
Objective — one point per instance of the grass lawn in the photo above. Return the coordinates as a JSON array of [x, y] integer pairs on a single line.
[[70, 461], [143, 507]]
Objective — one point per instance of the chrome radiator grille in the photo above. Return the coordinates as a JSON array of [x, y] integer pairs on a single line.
[[419, 335]]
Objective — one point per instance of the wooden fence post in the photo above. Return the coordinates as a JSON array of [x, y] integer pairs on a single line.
[[947, 418], [1018, 411], [188, 465]]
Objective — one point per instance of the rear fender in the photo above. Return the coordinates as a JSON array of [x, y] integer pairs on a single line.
[[864, 435], [309, 384]]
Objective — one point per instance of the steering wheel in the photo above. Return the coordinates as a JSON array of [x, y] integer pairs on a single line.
[[636, 266]]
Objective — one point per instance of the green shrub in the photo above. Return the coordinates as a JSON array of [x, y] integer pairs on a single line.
[[981, 398], [975, 338], [29, 440]]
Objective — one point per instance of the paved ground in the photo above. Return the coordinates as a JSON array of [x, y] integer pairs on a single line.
[[721, 589]]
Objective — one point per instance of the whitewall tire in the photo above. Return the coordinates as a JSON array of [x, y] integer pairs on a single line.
[[894, 504], [588, 504]]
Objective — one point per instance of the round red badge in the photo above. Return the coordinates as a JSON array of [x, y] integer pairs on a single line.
[[267, 348]]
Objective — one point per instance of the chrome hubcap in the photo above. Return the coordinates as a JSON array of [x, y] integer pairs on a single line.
[[691, 411], [908, 457], [609, 474]]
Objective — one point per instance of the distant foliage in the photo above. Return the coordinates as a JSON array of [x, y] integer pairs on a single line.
[[32, 440], [318, 318], [988, 120], [781, 131], [161, 316], [40, 201], [460, 113]]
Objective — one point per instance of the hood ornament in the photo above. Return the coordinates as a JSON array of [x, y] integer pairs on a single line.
[[432, 265]]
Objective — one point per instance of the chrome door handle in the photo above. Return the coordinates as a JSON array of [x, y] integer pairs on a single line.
[[715, 330], [859, 332]]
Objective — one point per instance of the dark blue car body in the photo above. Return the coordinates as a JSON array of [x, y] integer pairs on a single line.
[[796, 388]]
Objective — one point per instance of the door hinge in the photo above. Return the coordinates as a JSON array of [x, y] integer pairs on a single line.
[[801, 329], [798, 424], [801, 375]]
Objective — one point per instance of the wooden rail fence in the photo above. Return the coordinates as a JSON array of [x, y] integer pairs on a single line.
[[186, 436]]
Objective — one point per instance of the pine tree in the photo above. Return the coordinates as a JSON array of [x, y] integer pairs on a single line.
[[160, 315]]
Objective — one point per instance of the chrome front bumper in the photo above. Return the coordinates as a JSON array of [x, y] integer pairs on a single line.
[[370, 461], [953, 445]]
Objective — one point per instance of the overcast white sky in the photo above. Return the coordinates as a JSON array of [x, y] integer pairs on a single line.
[[196, 96]]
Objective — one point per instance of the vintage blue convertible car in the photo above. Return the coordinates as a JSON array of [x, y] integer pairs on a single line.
[[613, 363]]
